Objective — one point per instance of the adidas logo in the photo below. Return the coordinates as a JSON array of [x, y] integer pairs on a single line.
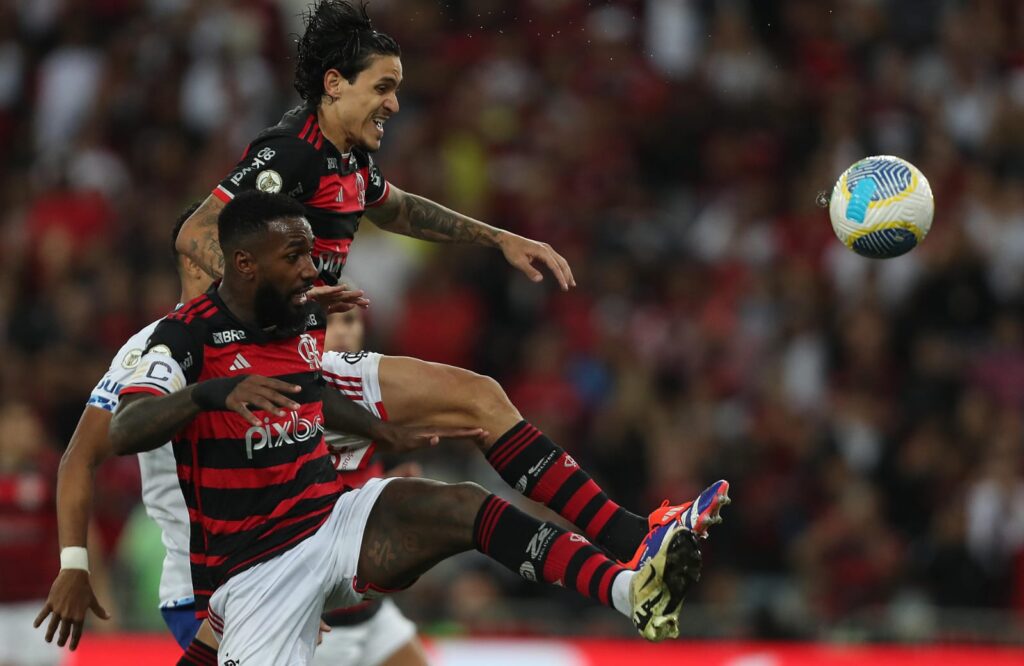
[[239, 363]]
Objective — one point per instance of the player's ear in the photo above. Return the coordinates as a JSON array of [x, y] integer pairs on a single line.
[[334, 82], [244, 263]]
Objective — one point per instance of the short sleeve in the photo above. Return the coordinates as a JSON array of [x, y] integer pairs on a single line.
[[274, 164], [122, 367], [377, 189], [171, 360]]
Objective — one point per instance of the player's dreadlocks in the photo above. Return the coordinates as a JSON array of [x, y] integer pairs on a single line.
[[338, 35]]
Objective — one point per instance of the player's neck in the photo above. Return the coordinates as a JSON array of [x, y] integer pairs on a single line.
[[241, 308], [331, 132]]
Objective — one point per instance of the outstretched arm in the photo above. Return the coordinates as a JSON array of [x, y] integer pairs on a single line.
[[71, 594], [198, 238], [412, 215]]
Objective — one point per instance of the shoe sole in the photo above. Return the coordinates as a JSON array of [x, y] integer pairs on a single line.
[[711, 515], [679, 564]]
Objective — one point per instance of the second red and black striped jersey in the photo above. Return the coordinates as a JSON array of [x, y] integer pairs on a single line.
[[293, 157], [252, 492]]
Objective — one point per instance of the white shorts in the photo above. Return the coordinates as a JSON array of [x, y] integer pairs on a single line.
[[270, 614], [21, 644], [368, 643], [356, 376]]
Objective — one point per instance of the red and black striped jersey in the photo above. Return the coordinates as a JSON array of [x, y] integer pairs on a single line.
[[293, 157], [252, 492]]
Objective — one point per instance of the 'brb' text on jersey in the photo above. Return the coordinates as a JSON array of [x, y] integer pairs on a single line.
[[293, 157], [252, 492]]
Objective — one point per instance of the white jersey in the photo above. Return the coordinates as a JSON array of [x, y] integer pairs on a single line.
[[356, 376], [161, 493]]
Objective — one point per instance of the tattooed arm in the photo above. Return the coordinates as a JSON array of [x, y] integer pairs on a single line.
[[198, 238], [412, 215]]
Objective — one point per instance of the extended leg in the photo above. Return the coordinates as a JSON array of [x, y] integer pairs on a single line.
[[420, 393], [416, 523]]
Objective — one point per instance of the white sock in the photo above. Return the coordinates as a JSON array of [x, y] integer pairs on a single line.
[[620, 592]]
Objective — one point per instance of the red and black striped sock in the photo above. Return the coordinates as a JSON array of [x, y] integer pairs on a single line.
[[543, 552], [537, 467], [198, 654]]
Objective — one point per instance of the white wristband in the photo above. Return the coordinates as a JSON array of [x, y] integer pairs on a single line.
[[74, 557]]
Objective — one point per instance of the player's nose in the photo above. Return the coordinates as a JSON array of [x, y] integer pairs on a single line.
[[391, 103]]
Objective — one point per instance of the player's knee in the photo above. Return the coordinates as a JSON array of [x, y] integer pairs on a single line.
[[463, 500], [487, 404]]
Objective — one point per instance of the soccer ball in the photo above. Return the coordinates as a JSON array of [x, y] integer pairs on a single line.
[[881, 207]]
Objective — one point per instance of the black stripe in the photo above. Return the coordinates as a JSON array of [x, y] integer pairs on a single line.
[[568, 489], [591, 509], [242, 503], [572, 569], [232, 453], [349, 617], [595, 582], [254, 540]]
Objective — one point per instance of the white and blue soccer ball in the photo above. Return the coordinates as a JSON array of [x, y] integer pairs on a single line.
[[881, 207]]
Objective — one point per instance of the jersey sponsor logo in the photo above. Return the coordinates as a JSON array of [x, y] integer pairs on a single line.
[[269, 181], [527, 571], [272, 434], [330, 262], [161, 349], [307, 348], [258, 162], [227, 337], [353, 357], [239, 363], [294, 194], [376, 178], [332, 163], [131, 359]]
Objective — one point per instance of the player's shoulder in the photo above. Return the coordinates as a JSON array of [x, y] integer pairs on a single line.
[[298, 129], [128, 355]]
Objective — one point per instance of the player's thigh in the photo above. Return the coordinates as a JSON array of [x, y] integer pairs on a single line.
[[414, 524], [416, 392]]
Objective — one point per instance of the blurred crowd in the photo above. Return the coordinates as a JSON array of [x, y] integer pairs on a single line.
[[868, 413]]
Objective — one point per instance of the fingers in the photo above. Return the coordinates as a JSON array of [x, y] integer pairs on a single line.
[[47, 609], [271, 383], [65, 631], [457, 433], [76, 635], [244, 412], [99, 610], [52, 629]]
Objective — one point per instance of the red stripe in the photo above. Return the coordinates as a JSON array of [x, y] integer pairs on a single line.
[[558, 557], [217, 560], [305, 128], [193, 304], [313, 134], [587, 573], [279, 357], [320, 141], [382, 413], [251, 477], [604, 588], [499, 451], [216, 526], [571, 510], [489, 507], [222, 193], [554, 477], [299, 537], [205, 310], [502, 505], [513, 449], [326, 195], [602, 517]]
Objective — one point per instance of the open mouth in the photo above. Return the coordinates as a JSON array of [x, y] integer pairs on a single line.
[[378, 122], [301, 296]]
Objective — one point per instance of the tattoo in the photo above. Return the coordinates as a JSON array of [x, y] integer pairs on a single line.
[[204, 246], [421, 218], [431, 221], [392, 555]]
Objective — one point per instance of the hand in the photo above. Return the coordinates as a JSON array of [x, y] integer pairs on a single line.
[[393, 438], [262, 393], [324, 628], [522, 252], [338, 298], [70, 597]]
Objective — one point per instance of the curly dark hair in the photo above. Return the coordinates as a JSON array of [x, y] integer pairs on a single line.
[[339, 35]]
